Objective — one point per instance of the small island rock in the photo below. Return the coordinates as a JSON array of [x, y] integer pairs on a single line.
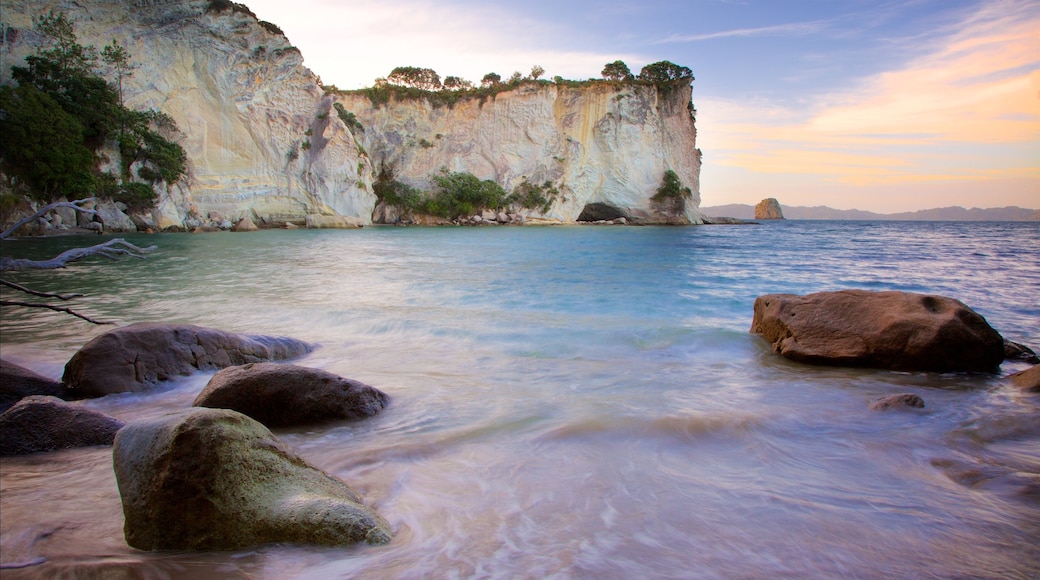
[[17, 382], [888, 330], [284, 395], [41, 423], [768, 209], [214, 479], [138, 357]]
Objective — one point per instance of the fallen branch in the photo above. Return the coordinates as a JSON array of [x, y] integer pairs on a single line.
[[43, 211], [38, 293], [111, 249], [52, 307]]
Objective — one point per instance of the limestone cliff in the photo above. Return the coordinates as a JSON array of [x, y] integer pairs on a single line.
[[264, 141]]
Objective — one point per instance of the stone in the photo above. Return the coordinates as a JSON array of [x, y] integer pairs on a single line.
[[285, 395], [214, 479], [1028, 380], [900, 401], [17, 382], [41, 423], [1016, 351], [768, 209], [138, 357], [889, 330], [245, 225]]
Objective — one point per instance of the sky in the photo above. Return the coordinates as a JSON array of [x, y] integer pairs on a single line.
[[880, 105]]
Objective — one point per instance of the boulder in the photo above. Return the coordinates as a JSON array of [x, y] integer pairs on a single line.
[[1028, 380], [17, 382], [317, 221], [138, 357], [284, 395], [245, 225], [889, 330], [1015, 351], [768, 209], [900, 401], [41, 423], [214, 479]]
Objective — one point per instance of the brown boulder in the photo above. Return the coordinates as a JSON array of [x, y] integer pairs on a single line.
[[214, 479], [40, 423], [138, 357], [283, 395], [890, 330], [1028, 380], [245, 225], [768, 209], [17, 382]]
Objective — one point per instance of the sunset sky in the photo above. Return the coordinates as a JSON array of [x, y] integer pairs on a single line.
[[865, 104]]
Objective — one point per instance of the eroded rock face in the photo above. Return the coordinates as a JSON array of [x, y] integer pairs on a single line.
[[282, 395], [768, 209], [892, 330], [140, 356], [214, 479], [17, 382], [41, 423]]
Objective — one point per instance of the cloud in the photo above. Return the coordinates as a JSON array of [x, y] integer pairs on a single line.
[[792, 29], [975, 89]]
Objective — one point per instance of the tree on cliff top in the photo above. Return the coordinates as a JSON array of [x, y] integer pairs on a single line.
[[617, 71], [410, 76], [665, 72]]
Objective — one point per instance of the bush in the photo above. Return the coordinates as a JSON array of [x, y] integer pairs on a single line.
[[348, 118], [530, 196], [461, 194], [672, 194], [136, 196]]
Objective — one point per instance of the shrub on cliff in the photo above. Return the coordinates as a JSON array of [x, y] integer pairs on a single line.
[[671, 196], [665, 72], [617, 71], [460, 194]]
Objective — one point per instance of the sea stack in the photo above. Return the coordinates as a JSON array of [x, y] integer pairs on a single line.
[[768, 209]]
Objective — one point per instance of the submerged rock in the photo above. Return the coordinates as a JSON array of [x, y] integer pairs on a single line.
[[41, 423], [214, 479], [890, 330], [283, 395], [1016, 351], [1028, 380], [899, 401], [17, 382], [138, 357]]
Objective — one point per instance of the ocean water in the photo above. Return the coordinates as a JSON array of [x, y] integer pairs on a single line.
[[575, 402]]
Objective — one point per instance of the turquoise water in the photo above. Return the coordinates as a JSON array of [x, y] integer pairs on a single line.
[[579, 401]]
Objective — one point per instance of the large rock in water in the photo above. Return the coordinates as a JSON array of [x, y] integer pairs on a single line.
[[891, 330], [137, 357], [17, 382], [214, 479], [41, 423], [283, 395], [768, 209]]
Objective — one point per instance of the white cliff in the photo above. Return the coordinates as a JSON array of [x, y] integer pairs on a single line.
[[263, 139]]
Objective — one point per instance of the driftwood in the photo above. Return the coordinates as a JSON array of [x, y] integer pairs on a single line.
[[112, 249]]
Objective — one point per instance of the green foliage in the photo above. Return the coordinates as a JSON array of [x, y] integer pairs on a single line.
[[531, 196], [305, 145], [457, 84], [220, 6], [536, 72], [425, 143], [665, 72], [461, 194], [348, 118], [393, 192], [516, 78], [272, 28], [425, 79], [43, 145], [62, 111], [136, 196], [672, 194], [617, 71]]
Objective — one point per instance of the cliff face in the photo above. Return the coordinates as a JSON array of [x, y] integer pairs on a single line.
[[599, 143], [264, 141]]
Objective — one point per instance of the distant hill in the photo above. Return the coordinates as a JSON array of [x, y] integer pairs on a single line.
[[821, 212]]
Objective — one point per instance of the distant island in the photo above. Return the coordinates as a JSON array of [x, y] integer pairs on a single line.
[[821, 212]]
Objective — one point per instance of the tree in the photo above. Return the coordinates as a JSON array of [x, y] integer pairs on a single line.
[[421, 78], [537, 71], [617, 71], [457, 84], [665, 72], [491, 79], [516, 78], [111, 249], [117, 57]]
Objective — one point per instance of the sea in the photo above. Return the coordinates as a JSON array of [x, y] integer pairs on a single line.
[[572, 402]]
